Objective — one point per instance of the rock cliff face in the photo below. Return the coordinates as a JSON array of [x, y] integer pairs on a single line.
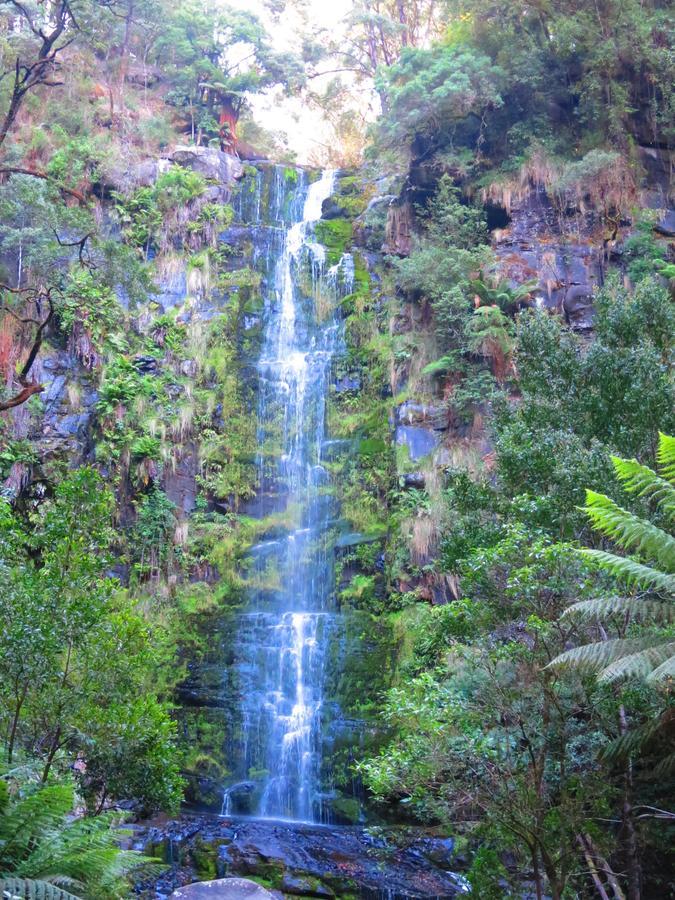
[[564, 252]]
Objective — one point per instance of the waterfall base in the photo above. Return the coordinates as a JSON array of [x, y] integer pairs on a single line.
[[305, 860]]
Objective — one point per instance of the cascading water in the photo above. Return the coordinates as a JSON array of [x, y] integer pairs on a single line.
[[283, 633]]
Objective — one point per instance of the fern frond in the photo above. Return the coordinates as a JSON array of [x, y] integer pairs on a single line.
[[630, 532], [440, 366], [632, 572], [632, 742], [640, 664], [629, 607], [597, 656], [644, 482], [665, 456], [87, 851], [665, 768], [29, 889], [666, 669], [32, 816]]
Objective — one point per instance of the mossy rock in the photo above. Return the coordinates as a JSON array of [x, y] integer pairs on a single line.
[[336, 236], [347, 810], [204, 858]]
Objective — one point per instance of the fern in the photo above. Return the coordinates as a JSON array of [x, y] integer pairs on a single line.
[[598, 656], [81, 858], [653, 663], [629, 531], [632, 742], [629, 608], [633, 573], [440, 366], [28, 889], [665, 456], [644, 482]]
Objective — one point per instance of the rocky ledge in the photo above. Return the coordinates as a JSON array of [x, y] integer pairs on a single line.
[[301, 860]]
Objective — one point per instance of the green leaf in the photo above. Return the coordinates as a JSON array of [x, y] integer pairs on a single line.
[[632, 608], [629, 531], [633, 572]]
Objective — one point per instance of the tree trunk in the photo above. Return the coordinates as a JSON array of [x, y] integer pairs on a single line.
[[537, 874], [15, 723], [124, 54], [631, 841], [52, 753], [592, 868]]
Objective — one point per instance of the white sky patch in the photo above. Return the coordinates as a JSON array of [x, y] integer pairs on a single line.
[[308, 133]]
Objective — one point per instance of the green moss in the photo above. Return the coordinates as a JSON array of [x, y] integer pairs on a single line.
[[204, 859], [336, 236]]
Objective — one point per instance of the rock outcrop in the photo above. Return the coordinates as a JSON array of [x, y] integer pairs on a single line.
[[222, 889]]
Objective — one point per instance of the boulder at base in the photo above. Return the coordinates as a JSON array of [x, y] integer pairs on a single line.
[[222, 889]]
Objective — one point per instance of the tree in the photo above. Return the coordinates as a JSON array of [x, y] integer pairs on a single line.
[[215, 55], [36, 54], [433, 90], [86, 654], [377, 32], [488, 735]]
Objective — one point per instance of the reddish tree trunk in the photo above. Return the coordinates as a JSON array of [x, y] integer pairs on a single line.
[[228, 120]]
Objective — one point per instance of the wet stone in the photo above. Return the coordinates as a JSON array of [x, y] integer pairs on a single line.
[[420, 441], [222, 889]]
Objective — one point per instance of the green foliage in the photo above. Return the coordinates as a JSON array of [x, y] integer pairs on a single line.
[[153, 531], [82, 653], [40, 849], [336, 236], [580, 404], [152, 216], [431, 90], [646, 655], [90, 305]]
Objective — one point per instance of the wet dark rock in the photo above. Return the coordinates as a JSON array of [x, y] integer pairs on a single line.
[[331, 209], [146, 365], [69, 426], [347, 384], [411, 413], [314, 860], [420, 441], [414, 480], [304, 887], [541, 245], [55, 390], [578, 307], [189, 368], [399, 228], [666, 226], [440, 851]]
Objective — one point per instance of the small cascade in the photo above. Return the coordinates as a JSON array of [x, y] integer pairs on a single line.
[[283, 634]]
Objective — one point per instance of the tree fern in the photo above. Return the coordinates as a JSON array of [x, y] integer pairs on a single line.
[[645, 482], [651, 657], [665, 456], [633, 573], [629, 531], [628, 608], [28, 889], [38, 845]]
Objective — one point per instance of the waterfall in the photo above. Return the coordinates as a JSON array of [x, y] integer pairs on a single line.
[[283, 633]]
